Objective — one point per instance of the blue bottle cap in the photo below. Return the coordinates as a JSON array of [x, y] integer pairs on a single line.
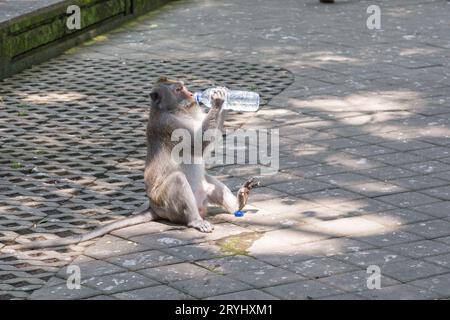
[[239, 213], [198, 96]]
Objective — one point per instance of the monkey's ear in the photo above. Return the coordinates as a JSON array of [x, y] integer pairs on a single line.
[[156, 97]]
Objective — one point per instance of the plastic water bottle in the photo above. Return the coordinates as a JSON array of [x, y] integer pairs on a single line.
[[234, 100]]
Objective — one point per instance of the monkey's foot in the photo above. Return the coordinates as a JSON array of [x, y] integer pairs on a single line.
[[201, 225], [244, 191], [251, 183]]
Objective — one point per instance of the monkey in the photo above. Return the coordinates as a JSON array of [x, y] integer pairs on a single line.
[[177, 192]]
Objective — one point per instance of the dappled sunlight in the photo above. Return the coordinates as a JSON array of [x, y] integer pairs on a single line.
[[438, 132], [349, 161], [345, 227], [51, 97], [362, 102], [379, 117], [325, 57], [398, 12], [417, 51], [390, 221]]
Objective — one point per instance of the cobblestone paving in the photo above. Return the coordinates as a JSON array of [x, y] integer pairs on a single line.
[[364, 159]]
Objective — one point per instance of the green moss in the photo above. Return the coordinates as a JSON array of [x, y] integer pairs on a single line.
[[22, 113], [56, 29], [16, 165], [97, 39], [238, 244], [215, 270]]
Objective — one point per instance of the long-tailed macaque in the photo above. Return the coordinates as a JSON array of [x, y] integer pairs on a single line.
[[178, 192]]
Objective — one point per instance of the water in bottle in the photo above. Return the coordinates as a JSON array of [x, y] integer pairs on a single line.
[[235, 100]]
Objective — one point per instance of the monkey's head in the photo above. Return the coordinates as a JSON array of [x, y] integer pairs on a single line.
[[171, 95]]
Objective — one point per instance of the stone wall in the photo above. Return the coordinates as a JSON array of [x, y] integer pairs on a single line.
[[42, 33]]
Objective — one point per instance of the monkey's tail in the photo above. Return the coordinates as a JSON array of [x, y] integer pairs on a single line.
[[137, 218]]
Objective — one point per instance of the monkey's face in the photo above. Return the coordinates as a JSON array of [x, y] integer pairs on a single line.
[[171, 95]]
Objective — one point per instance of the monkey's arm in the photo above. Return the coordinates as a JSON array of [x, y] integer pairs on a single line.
[[215, 117]]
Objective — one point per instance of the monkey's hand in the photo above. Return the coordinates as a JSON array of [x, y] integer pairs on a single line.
[[244, 191], [218, 97]]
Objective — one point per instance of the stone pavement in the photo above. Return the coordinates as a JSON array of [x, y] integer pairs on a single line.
[[364, 161]]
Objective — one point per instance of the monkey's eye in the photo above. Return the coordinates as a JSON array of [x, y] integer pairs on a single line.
[[179, 89]]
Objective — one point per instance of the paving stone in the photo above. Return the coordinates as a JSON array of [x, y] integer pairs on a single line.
[[90, 267], [433, 153], [399, 158], [355, 281], [419, 182], [268, 246], [315, 170], [146, 259], [399, 292], [186, 236], [345, 179], [331, 196], [343, 296], [109, 246], [407, 145], [308, 251], [375, 189], [293, 161], [233, 264], [442, 260], [388, 238], [143, 229], [443, 240], [367, 151], [317, 268], [398, 217], [430, 229], [244, 295], [439, 209], [362, 206], [302, 290], [169, 239], [352, 226], [340, 143], [266, 276], [283, 205], [58, 290], [195, 252], [211, 285], [441, 175], [118, 282], [102, 297], [175, 272], [162, 292], [365, 258], [427, 167], [388, 172], [300, 186], [420, 249], [439, 192], [407, 199], [266, 193], [409, 270], [439, 284]]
